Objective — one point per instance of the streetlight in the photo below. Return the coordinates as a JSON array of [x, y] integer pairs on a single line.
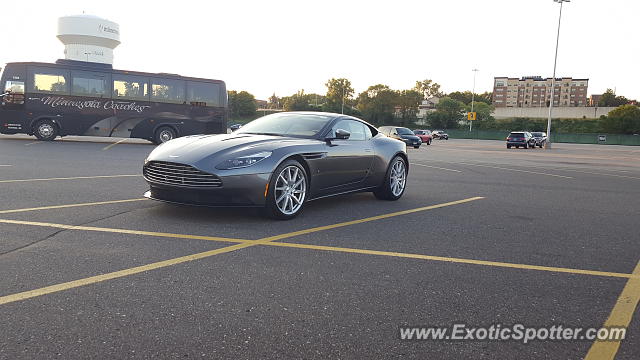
[[473, 94], [547, 144]]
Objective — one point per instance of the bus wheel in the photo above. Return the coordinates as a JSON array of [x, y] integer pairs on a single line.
[[45, 130], [164, 134]]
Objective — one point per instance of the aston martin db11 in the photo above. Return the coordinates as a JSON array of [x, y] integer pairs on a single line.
[[279, 162]]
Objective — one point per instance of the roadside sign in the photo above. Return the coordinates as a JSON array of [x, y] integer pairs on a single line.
[[471, 116]]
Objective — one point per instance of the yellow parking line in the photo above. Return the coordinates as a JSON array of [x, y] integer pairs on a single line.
[[70, 205], [621, 315], [117, 274], [124, 231], [68, 178], [373, 218], [435, 167], [243, 244], [454, 260], [112, 145]]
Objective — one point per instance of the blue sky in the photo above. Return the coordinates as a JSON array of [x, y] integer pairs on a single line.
[[283, 46]]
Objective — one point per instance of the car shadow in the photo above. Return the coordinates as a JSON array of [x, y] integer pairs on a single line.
[[250, 215]]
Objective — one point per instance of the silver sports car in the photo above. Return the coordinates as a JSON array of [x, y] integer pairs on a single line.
[[279, 162]]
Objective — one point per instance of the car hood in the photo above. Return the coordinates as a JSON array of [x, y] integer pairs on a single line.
[[194, 149]]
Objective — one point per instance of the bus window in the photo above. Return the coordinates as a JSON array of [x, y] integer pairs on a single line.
[[14, 91], [130, 87], [47, 80], [203, 93], [167, 90], [88, 84]]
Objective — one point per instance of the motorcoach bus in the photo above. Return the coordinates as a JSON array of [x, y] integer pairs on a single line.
[[92, 99]]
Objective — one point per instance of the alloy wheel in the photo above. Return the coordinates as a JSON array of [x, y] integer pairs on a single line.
[[398, 177], [290, 190]]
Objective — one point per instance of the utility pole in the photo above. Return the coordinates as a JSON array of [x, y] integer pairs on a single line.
[[473, 94], [547, 144], [342, 111]]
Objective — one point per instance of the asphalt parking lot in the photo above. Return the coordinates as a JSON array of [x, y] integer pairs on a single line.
[[483, 235]]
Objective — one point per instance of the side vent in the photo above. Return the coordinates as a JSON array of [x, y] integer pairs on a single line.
[[314, 156]]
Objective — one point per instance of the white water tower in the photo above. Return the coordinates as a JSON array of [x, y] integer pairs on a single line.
[[88, 38]]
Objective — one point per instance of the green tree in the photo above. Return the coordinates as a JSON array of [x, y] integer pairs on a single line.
[[339, 91], [483, 111], [298, 102], [408, 102], [609, 98], [427, 88], [377, 104], [241, 104], [274, 102], [448, 112], [466, 96], [624, 119]]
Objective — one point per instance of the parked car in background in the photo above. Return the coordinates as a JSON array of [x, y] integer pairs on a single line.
[[440, 135], [424, 135], [402, 134], [235, 127], [521, 138], [540, 138]]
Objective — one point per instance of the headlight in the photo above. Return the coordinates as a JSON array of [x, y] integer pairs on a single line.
[[243, 161]]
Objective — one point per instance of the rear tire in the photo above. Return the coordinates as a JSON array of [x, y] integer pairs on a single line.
[[288, 189], [164, 134], [525, 146], [416, 147], [45, 130], [508, 146], [395, 181]]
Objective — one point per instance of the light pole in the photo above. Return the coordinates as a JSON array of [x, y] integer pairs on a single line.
[[473, 94], [547, 144], [342, 111]]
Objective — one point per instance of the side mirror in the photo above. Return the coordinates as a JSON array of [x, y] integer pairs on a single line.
[[342, 134]]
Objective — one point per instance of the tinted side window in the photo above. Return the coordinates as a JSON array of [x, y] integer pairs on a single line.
[[207, 94], [88, 84], [167, 90], [130, 87], [48, 80], [357, 129]]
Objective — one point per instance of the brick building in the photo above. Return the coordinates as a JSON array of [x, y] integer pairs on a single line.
[[535, 91]]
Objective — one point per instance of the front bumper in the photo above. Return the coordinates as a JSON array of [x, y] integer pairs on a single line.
[[239, 190], [410, 142]]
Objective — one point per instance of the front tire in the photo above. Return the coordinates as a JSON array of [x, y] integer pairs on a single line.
[[164, 134], [416, 147], [288, 189], [45, 130], [395, 181]]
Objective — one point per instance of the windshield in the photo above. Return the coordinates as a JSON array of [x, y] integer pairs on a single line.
[[537, 134], [516, 135], [404, 131], [298, 125]]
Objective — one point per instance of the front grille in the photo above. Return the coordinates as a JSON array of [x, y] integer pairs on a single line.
[[168, 173]]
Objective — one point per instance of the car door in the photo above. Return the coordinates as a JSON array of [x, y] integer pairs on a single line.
[[348, 162]]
